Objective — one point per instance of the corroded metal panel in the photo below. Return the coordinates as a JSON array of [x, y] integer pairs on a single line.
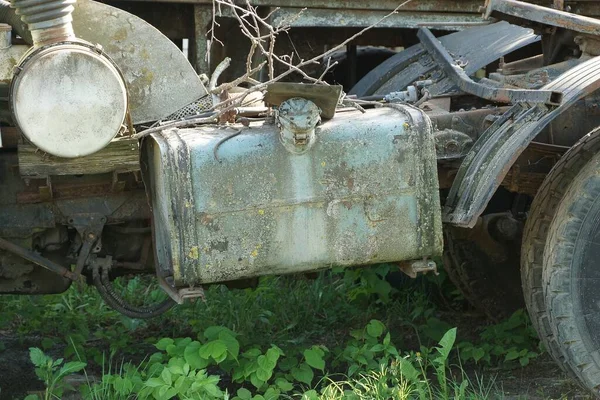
[[365, 193], [159, 78]]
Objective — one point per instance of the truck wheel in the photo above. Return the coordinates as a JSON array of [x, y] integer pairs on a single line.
[[558, 189], [571, 275], [483, 264]]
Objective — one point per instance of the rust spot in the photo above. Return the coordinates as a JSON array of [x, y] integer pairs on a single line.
[[120, 35]]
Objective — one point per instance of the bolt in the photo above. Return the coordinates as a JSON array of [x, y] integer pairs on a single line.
[[507, 227]]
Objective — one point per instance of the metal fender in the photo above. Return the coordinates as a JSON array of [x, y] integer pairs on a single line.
[[494, 153], [160, 79]]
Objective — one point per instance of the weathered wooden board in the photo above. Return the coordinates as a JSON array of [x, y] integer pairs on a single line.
[[121, 155]]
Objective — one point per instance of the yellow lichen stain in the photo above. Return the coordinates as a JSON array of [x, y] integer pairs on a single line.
[[261, 212], [323, 163], [145, 55], [146, 78], [255, 251], [193, 254], [188, 204], [120, 34]]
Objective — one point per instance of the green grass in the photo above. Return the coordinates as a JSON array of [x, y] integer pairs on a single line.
[[343, 335]]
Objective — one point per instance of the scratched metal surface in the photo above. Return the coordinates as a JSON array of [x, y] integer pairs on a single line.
[[474, 48], [160, 79], [367, 192]]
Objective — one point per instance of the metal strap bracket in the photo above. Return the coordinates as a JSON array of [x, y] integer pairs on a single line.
[[457, 75]]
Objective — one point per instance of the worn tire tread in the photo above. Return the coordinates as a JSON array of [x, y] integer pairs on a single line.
[[535, 236], [581, 195]]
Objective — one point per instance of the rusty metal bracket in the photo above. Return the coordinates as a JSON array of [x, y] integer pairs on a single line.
[[542, 15], [489, 160], [413, 268], [37, 259], [180, 295], [457, 75], [89, 227]]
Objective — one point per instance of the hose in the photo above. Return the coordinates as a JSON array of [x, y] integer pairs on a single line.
[[9, 16], [115, 301], [49, 21]]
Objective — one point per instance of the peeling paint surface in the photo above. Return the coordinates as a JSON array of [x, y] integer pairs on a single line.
[[366, 193]]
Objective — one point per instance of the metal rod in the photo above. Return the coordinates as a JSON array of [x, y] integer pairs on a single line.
[[543, 15], [36, 259], [457, 75]]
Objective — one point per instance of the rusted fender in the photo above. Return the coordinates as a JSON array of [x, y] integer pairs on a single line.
[[494, 153]]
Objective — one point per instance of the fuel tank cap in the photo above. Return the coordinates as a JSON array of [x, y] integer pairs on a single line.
[[68, 99]]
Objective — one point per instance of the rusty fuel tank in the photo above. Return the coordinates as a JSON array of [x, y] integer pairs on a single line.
[[358, 189]]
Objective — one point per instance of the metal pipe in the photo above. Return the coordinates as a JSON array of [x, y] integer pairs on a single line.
[[9, 16], [36, 259], [49, 21]]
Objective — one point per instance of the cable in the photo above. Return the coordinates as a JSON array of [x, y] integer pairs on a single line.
[[115, 301]]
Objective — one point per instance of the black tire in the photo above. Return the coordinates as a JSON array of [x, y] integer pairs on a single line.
[[543, 211], [571, 275], [487, 274]]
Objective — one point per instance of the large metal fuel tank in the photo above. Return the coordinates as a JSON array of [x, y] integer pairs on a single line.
[[365, 191]]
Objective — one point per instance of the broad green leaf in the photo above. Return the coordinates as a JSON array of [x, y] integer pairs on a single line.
[[191, 354], [273, 355], [310, 395], [408, 370], [244, 394], [303, 373], [164, 343], [251, 354], [256, 382], [375, 328], [215, 332], [166, 376], [154, 382], [478, 354], [72, 367], [284, 384], [265, 363], [314, 359], [215, 349], [446, 343], [376, 348], [511, 355], [176, 370], [233, 346], [272, 394], [37, 356], [263, 374], [386, 339], [524, 361]]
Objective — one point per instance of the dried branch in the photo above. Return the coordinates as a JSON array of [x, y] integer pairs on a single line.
[[244, 78], [242, 14], [262, 36]]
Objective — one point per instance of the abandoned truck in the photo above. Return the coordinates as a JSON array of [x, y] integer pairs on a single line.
[[479, 147]]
